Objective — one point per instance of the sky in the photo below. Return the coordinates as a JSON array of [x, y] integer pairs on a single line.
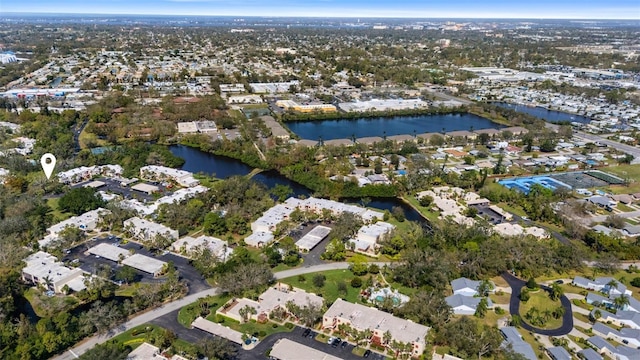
[[531, 9]]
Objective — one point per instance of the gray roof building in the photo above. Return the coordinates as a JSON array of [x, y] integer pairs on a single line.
[[558, 353], [590, 354], [514, 340]]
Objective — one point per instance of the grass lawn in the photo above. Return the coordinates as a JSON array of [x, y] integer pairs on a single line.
[[541, 301], [45, 306], [136, 336], [500, 299], [56, 213], [251, 328], [127, 290], [86, 138], [426, 212], [187, 314], [628, 171], [517, 210], [500, 281], [624, 208], [330, 289]]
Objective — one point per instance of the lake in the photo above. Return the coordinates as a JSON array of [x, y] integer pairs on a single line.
[[197, 161], [544, 114], [398, 125]]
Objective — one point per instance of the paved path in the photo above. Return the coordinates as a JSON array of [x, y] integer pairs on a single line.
[[514, 308], [175, 306]]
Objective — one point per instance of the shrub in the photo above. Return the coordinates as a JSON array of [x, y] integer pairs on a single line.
[[531, 283], [499, 311], [524, 295], [302, 278], [356, 282], [274, 325], [288, 325], [262, 333], [636, 282], [318, 280]]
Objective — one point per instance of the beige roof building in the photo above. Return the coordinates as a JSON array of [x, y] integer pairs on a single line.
[[379, 322], [285, 349]]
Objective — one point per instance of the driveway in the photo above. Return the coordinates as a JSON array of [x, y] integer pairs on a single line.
[[514, 308]]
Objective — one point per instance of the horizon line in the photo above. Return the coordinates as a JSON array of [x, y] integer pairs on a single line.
[[316, 16]]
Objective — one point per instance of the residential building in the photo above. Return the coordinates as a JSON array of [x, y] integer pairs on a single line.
[[589, 354], [163, 173], [86, 222], [606, 285], [465, 287], [465, 305], [147, 230], [368, 237], [83, 173], [45, 270], [558, 353], [285, 349], [361, 318], [513, 340], [275, 297], [190, 246]]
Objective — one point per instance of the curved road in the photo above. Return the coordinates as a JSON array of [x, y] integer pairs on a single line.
[[514, 308], [167, 308]]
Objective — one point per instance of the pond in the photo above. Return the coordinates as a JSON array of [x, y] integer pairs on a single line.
[[544, 114], [381, 126], [223, 167]]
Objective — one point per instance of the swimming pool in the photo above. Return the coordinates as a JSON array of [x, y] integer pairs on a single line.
[[524, 183]]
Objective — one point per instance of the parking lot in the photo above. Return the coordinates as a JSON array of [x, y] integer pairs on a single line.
[[312, 257], [114, 186], [91, 263]]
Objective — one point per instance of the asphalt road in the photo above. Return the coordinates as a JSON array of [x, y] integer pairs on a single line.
[[629, 149], [514, 308], [174, 306]]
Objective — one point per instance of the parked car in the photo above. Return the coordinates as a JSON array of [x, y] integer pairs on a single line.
[[344, 344], [335, 343], [367, 353], [306, 332], [560, 282], [330, 341]]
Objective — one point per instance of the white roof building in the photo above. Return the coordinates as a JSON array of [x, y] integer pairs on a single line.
[[145, 263], [45, 269], [188, 245], [313, 238], [146, 230], [86, 222], [161, 173], [259, 239], [79, 174]]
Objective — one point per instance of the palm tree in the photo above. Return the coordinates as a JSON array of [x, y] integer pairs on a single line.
[[558, 312], [621, 301], [555, 291], [386, 337], [613, 284]]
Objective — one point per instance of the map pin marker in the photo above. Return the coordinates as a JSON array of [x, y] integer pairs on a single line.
[[48, 162]]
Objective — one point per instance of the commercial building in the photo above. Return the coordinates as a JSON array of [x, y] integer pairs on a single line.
[[193, 127], [244, 99], [285, 349], [277, 130], [145, 188], [361, 318], [147, 230], [45, 270], [274, 88], [163, 173], [306, 108], [383, 105], [189, 246]]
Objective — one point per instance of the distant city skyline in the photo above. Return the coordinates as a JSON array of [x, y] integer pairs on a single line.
[[540, 9]]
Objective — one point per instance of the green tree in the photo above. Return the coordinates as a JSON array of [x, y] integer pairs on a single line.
[[126, 274], [214, 224], [80, 200], [318, 280]]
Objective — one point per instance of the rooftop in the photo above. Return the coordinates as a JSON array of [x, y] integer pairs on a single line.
[[364, 317], [285, 349]]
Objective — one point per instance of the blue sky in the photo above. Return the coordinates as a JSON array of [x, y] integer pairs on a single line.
[[562, 9]]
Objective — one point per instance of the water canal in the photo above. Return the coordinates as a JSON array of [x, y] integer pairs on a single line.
[[381, 126], [544, 114], [198, 161]]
